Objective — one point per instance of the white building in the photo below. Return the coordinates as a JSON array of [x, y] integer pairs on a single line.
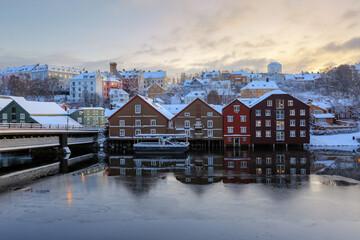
[[64, 74], [23, 72], [302, 77], [274, 67], [118, 96], [160, 77], [86, 87], [194, 95]]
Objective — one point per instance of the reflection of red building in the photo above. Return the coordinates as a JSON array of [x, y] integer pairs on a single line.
[[236, 123], [237, 167]]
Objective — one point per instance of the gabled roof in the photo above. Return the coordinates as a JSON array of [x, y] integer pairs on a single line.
[[151, 103], [174, 108], [4, 102], [261, 85], [265, 96], [86, 76], [237, 100], [218, 110], [157, 74], [155, 83]]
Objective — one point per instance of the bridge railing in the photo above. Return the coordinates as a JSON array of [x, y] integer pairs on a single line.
[[4, 126]]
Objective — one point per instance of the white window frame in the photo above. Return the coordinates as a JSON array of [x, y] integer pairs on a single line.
[[302, 112], [302, 123], [267, 133], [290, 103], [187, 124], [22, 116], [122, 123], [210, 133], [187, 114], [230, 129], [137, 131], [210, 114], [258, 123], [292, 122], [267, 123], [302, 133], [243, 118], [292, 112], [137, 108], [153, 122], [269, 103], [137, 122], [236, 108], [267, 112], [210, 124], [5, 116], [258, 112], [258, 134], [152, 131], [122, 132], [292, 133], [243, 129], [293, 161], [230, 118]]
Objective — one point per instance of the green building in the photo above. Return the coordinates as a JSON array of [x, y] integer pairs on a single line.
[[89, 116], [19, 110]]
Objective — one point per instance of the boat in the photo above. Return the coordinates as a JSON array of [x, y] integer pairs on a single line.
[[165, 144]]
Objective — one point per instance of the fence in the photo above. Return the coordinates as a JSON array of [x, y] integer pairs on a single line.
[[4, 126]]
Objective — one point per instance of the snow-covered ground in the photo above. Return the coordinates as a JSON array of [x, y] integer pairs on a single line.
[[335, 140]]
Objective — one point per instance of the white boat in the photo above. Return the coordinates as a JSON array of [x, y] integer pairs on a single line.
[[166, 143]]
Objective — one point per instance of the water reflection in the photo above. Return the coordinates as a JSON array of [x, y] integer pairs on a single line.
[[232, 166]]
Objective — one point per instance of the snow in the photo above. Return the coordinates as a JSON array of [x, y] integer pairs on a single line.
[[54, 68], [261, 85], [302, 77], [195, 94], [158, 74], [335, 140], [91, 108], [109, 112], [118, 91], [324, 115], [85, 76], [56, 120], [174, 108], [41, 108], [263, 97], [157, 106], [19, 69], [4, 102]]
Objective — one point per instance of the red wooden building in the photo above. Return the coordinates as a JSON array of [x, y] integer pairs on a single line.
[[236, 117]]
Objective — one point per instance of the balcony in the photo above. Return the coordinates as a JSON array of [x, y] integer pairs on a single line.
[[198, 126]]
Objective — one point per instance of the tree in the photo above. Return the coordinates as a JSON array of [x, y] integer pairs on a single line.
[[213, 98]]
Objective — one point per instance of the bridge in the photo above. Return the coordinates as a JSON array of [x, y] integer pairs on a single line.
[[22, 136]]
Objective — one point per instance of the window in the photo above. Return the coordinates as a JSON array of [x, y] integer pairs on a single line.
[[269, 103], [230, 129], [302, 160], [209, 114], [244, 139], [243, 118], [279, 114], [122, 123], [122, 132], [280, 158], [259, 171], [138, 122], [187, 132], [302, 123], [13, 110], [268, 171], [267, 123], [303, 171], [236, 108], [302, 112], [268, 133], [152, 131], [210, 123], [279, 103], [210, 133], [122, 161], [292, 160], [290, 103], [292, 134], [292, 122], [302, 133], [137, 108], [137, 131], [258, 113], [258, 160], [292, 112], [292, 171], [258, 123], [258, 133], [171, 124], [243, 164], [230, 118], [268, 160], [280, 136], [243, 129], [279, 125], [187, 124], [230, 164], [187, 114], [153, 122], [4, 116], [22, 116], [317, 112], [268, 112]]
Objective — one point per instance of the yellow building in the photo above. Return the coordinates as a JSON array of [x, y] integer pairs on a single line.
[[256, 89], [155, 90]]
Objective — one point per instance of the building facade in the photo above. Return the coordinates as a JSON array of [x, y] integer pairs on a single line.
[[236, 117], [199, 121], [255, 89], [86, 88], [155, 90], [279, 118], [159, 77], [89, 116], [118, 96]]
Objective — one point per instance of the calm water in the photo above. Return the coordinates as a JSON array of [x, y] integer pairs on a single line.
[[242, 195]]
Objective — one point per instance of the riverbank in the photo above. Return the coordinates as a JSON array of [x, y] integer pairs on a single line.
[[339, 140]]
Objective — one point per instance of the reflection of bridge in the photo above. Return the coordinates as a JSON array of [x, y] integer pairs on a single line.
[[22, 136]]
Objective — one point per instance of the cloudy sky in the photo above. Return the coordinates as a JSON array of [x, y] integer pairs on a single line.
[[180, 35]]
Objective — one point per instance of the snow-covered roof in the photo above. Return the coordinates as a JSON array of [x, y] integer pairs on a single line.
[[91, 108], [155, 83], [117, 91], [196, 94], [107, 78], [157, 74], [323, 115], [249, 75], [217, 108], [323, 105], [174, 108], [302, 77], [261, 85], [220, 83], [109, 112], [18, 69], [265, 96], [85, 76], [40, 108], [242, 73], [157, 106], [55, 68], [56, 120], [130, 74], [210, 74], [4, 102]]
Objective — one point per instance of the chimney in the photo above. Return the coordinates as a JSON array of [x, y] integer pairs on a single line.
[[112, 68], [309, 101]]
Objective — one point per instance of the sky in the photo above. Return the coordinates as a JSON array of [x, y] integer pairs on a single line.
[[180, 35]]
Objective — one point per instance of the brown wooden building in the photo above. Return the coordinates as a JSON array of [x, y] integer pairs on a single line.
[[199, 121], [279, 118], [140, 115]]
